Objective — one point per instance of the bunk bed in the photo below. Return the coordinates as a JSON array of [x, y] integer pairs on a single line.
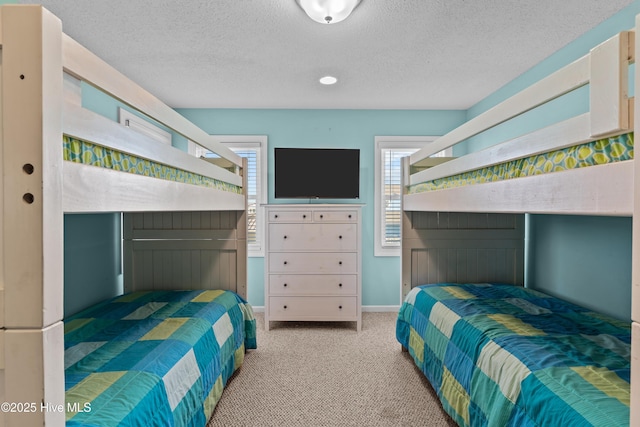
[[162, 352], [495, 352]]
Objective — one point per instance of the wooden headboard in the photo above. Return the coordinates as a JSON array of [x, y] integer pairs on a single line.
[[185, 250], [461, 247]]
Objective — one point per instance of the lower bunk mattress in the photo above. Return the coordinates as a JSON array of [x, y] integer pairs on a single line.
[[158, 358], [502, 355]]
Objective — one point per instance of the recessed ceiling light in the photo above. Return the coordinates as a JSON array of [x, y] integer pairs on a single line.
[[328, 80]]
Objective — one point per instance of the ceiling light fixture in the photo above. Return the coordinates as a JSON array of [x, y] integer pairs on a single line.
[[328, 11], [328, 80]]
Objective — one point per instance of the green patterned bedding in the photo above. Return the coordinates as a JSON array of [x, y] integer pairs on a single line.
[[602, 151], [157, 358], [502, 355], [79, 151]]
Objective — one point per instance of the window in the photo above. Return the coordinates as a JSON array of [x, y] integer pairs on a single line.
[[254, 148], [388, 189]]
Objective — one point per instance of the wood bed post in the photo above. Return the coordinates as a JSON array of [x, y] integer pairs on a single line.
[[405, 224], [609, 102], [635, 263], [32, 217], [241, 236]]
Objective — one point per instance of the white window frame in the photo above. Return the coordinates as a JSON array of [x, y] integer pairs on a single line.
[[260, 142], [381, 143]]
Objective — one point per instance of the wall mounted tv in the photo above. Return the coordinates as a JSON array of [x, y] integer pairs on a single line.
[[317, 173]]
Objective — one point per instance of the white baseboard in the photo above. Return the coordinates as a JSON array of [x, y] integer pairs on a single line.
[[380, 308], [365, 308]]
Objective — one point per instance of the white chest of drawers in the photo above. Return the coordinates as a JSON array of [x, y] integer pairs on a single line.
[[313, 263]]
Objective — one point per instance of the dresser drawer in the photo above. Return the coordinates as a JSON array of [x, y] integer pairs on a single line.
[[290, 216], [335, 216], [312, 308], [311, 284], [308, 262], [312, 237]]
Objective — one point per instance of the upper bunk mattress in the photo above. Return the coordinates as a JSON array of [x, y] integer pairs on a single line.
[[508, 356], [79, 151], [154, 358], [602, 151]]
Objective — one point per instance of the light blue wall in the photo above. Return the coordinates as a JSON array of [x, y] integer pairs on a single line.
[[586, 260], [92, 269], [331, 128]]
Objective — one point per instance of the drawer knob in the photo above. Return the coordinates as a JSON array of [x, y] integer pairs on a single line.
[[275, 216], [339, 285], [349, 215], [304, 216], [339, 237], [285, 307], [321, 216], [285, 285], [285, 237], [339, 262], [340, 307], [285, 263]]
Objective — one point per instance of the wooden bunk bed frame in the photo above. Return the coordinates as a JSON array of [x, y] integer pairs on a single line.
[[474, 233], [174, 232]]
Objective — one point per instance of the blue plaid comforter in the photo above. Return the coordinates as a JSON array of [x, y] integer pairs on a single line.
[[502, 355], [156, 358]]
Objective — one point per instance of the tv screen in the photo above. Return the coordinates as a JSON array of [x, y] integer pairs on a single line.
[[317, 173]]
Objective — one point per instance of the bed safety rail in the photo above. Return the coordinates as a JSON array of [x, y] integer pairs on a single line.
[[604, 69]]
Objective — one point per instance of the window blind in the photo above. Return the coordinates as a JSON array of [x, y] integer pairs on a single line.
[[391, 194], [253, 184]]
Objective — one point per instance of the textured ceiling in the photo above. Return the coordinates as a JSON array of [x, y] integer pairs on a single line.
[[389, 54]]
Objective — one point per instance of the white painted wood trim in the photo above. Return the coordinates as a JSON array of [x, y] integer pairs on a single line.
[[635, 263], [563, 81], [635, 373], [32, 221], [89, 126], [608, 89], [34, 373], [2, 222], [83, 194], [84, 65], [561, 135], [635, 267], [2, 350], [380, 308], [596, 190]]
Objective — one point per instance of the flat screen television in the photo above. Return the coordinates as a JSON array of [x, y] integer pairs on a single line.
[[317, 173]]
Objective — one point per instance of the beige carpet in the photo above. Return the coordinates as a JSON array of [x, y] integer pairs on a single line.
[[327, 374]]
